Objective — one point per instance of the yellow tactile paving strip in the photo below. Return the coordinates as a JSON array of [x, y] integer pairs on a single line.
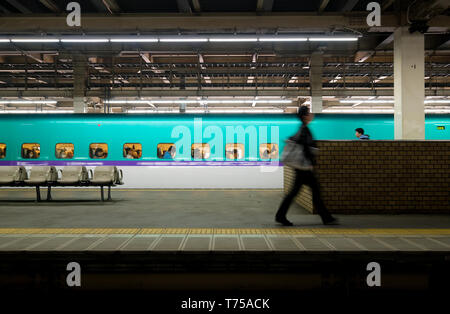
[[234, 231]]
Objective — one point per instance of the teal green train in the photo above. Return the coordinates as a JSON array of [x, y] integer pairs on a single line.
[[178, 139]]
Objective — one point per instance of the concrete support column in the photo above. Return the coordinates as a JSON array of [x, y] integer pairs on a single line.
[[315, 81], [409, 85], [79, 83]]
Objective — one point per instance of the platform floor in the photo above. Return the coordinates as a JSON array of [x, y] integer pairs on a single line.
[[199, 220], [81, 208]]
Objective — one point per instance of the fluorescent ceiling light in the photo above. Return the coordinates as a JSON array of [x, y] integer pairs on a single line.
[[437, 110], [366, 101], [4, 40], [332, 38], [34, 111], [210, 110], [437, 101], [183, 40], [205, 101], [276, 38], [390, 101], [351, 110], [34, 40], [26, 102], [233, 39], [84, 40], [134, 40]]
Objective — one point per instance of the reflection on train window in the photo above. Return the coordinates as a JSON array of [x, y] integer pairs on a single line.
[[268, 151], [31, 150], [98, 150], [234, 151], [132, 150], [200, 151], [2, 151], [166, 151], [64, 150]]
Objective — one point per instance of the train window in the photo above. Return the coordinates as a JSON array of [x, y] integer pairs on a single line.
[[166, 150], [132, 150], [64, 150], [200, 151], [98, 150], [2, 151], [268, 151], [31, 150], [234, 151]]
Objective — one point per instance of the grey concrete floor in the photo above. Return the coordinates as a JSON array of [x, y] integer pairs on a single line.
[[81, 208]]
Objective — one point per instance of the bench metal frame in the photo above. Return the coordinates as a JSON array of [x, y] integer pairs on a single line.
[[51, 184]]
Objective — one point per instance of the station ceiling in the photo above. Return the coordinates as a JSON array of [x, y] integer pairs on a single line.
[[224, 69]]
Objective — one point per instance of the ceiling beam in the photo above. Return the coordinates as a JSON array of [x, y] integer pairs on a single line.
[[383, 44], [183, 6], [110, 6], [349, 5], [4, 10], [386, 4], [322, 5], [146, 57], [118, 92], [444, 46], [363, 56], [264, 5], [206, 22], [19, 6], [196, 4], [51, 5]]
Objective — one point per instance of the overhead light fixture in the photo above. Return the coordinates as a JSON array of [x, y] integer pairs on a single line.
[[34, 40], [34, 111], [84, 40], [134, 40], [437, 101], [182, 39], [27, 102], [4, 40], [366, 101], [233, 39], [351, 110], [390, 101], [330, 38], [437, 110], [278, 38], [204, 101]]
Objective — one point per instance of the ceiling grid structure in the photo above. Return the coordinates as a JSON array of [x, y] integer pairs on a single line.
[[199, 50]]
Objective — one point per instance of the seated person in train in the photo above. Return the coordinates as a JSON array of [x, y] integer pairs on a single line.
[[2, 153], [266, 154], [69, 154], [197, 154], [232, 153], [62, 153], [170, 153], [99, 153], [129, 153], [360, 134], [28, 153], [137, 153]]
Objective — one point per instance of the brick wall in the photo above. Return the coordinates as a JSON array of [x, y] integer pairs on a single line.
[[381, 177]]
